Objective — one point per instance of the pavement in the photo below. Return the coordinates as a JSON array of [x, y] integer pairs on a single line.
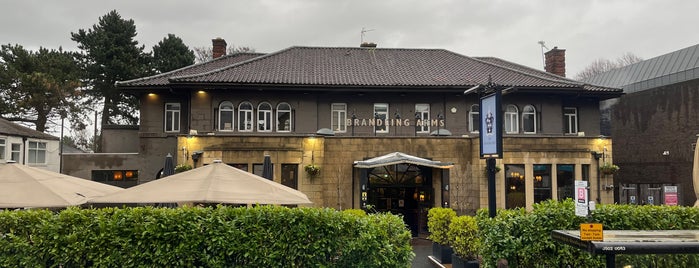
[[422, 247]]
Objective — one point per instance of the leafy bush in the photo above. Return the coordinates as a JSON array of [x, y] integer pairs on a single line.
[[354, 211], [182, 168], [524, 238], [464, 237], [266, 236], [438, 220]]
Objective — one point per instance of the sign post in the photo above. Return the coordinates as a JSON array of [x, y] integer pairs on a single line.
[[491, 137]]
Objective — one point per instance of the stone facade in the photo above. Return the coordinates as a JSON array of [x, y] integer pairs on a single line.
[[337, 185]]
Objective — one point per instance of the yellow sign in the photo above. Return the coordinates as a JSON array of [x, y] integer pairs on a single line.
[[591, 232]]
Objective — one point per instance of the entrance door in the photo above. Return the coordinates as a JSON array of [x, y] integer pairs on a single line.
[[402, 189]]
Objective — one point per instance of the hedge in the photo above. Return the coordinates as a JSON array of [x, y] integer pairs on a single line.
[[524, 238], [265, 236]]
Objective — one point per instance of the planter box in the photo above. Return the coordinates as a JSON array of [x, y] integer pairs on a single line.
[[458, 262], [442, 253]]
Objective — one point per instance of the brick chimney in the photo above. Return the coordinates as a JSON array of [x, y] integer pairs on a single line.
[[219, 47], [556, 61]]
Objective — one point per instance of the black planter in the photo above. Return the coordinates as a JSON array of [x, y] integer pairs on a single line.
[[442, 253], [458, 262]]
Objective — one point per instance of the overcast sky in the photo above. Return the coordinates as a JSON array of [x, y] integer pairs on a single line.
[[510, 30]]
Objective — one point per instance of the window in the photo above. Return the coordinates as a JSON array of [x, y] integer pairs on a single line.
[[515, 190], [225, 115], [511, 119], [284, 117], [243, 167], [16, 151], [172, 117], [570, 115], [542, 183], [290, 175], [529, 119], [422, 111], [121, 178], [245, 117], [565, 176], [380, 116], [474, 119], [37, 152], [339, 116], [2, 149], [264, 117]]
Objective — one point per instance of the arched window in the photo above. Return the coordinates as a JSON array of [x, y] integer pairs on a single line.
[[474, 119], [284, 117], [225, 116], [511, 119], [245, 116], [529, 119], [264, 117]]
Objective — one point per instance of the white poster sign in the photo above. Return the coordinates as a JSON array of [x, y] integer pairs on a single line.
[[581, 198]]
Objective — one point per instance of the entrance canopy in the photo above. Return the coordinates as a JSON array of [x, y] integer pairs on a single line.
[[400, 158]]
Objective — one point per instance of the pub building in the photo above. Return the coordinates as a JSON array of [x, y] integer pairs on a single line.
[[377, 128]]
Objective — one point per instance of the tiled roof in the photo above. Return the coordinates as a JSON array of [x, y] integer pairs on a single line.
[[12, 129], [162, 79], [544, 75], [379, 67]]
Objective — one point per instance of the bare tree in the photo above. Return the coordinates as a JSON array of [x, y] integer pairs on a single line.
[[204, 54], [599, 66]]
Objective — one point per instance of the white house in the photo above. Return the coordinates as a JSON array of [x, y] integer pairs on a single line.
[[29, 147]]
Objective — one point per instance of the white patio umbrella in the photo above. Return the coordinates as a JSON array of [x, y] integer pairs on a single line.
[[216, 183], [23, 186]]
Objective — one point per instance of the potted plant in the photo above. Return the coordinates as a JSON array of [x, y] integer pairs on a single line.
[[608, 168], [465, 240], [182, 168], [312, 169], [438, 220]]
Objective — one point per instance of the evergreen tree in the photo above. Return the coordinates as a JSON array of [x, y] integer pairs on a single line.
[[36, 87], [171, 54], [111, 54]]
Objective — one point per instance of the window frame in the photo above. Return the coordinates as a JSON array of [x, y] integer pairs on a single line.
[[424, 117], [221, 117], [264, 117], [245, 117], [472, 122], [280, 112], [17, 152], [532, 114], [511, 119], [338, 117], [3, 148], [378, 115], [571, 120], [172, 117], [34, 150]]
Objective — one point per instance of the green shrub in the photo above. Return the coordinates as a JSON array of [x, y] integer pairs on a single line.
[[438, 220], [265, 236], [354, 211], [524, 238], [464, 237]]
